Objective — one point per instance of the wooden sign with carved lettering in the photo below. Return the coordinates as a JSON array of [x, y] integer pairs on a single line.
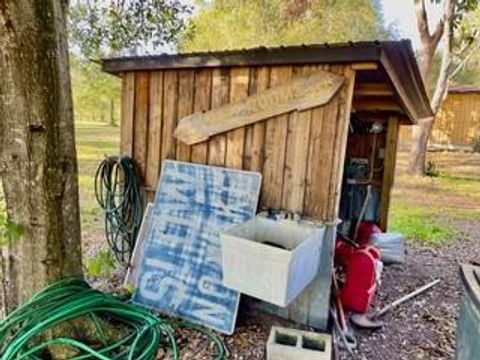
[[303, 92]]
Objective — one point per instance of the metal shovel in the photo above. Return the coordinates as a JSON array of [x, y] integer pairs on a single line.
[[370, 321]]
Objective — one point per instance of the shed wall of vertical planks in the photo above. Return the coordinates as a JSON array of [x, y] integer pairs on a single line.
[[457, 122], [300, 154]]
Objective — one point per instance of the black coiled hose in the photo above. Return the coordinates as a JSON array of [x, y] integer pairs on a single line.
[[117, 189]]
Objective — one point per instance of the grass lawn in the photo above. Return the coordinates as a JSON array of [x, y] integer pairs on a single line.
[[94, 141], [424, 208]]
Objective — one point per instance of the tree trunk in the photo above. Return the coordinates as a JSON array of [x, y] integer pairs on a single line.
[[429, 45], [38, 157], [418, 152], [112, 113]]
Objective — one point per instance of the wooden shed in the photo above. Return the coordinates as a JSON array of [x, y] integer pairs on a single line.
[[299, 115], [458, 121]]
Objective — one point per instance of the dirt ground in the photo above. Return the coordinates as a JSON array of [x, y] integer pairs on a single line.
[[423, 328]]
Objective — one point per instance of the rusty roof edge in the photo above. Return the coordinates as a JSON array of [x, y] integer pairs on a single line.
[[419, 79], [417, 104], [298, 54]]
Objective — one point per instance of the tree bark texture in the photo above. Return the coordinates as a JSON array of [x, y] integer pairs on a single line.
[[38, 157], [429, 45]]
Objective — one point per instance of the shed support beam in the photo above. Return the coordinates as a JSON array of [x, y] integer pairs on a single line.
[[374, 89], [365, 66], [376, 104], [389, 170]]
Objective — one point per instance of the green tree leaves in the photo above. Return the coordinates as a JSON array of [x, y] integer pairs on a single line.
[[98, 27], [96, 95], [230, 24]]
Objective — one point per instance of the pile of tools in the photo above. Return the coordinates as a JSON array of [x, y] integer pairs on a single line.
[[357, 274]]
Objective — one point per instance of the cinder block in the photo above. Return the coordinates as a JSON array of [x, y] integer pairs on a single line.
[[291, 344], [271, 260]]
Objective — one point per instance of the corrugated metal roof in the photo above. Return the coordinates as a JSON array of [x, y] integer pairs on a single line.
[[327, 52], [396, 57]]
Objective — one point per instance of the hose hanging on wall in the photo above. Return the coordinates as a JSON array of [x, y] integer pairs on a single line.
[[117, 189]]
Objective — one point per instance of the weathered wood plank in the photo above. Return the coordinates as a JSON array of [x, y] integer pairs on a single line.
[[140, 127], [170, 110], [374, 89], [313, 187], [186, 83], [217, 146], [296, 158], [275, 144], [154, 142], [247, 147], [304, 92], [345, 108], [248, 138], [322, 140], [203, 88], [389, 170], [239, 79], [261, 82], [128, 113], [312, 305], [294, 182]]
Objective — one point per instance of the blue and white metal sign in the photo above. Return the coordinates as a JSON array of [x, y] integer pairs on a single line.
[[180, 272]]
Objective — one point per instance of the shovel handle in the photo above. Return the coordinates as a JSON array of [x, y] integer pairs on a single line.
[[405, 298]]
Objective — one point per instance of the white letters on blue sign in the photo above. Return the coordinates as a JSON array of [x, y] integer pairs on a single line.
[[180, 272]]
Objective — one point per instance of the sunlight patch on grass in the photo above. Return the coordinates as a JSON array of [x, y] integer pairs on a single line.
[[419, 225], [468, 186]]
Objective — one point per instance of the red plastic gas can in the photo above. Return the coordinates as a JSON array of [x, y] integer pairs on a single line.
[[359, 289]]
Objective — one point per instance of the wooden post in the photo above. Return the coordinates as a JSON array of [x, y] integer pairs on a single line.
[[389, 170]]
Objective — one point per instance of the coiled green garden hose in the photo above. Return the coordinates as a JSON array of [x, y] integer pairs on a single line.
[[117, 189], [29, 333]]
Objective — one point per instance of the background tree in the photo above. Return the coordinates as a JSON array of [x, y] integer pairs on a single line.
[[458, 40], [38, 158], [466, 62], [230, 24], [108, 27], [96, 95]]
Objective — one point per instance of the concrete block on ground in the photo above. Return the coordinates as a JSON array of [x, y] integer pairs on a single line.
[[291, 344], [271, 260]]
